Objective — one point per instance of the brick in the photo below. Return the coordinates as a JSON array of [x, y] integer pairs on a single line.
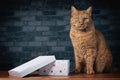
[[3, 39], [34, 23], [20, 23], [97, 11], [28, 18], [51, 43], [14, 38], [37, 3], [35, 13], [104, 22], [9, 44], [15, 29], [67, 27], [69, 48], [104, 12], [58, 38], [31, 48], [54, 38], [67, 18], [1, 45], [96, 17], [56, 17], [27, 38], [21, 13], [49, 12], [10, 18], [55, 7], [45, 49], [97, 22], [63, 12], [61, 23], [64, 43], [50, 18], [37, 33], [15, 34], [9, 23], [37, 49], [3, 29], [45, 28], [48, 23], [103, 27], [22, 44], [57, 28], [41, 18], [40, 38], [64, 34], [15, 49], [34, 43], [49, 33], [26, 28], [58, 48]]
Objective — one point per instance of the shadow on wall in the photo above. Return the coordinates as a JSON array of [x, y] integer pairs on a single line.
[[5, 59]]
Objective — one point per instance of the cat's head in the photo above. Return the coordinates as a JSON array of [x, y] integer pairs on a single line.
[[80, 20]]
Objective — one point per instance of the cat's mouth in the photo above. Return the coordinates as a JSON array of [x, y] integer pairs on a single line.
[[83, 28]]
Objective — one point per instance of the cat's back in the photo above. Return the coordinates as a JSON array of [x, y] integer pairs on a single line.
[[101, 42], [100, 37]]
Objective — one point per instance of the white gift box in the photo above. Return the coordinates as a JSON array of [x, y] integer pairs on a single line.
[[31, 66], [57, 68]]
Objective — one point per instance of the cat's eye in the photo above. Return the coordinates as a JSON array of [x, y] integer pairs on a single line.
[[85, 18], [76, 19]]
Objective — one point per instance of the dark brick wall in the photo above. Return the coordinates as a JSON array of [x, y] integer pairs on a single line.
[[30, 28]]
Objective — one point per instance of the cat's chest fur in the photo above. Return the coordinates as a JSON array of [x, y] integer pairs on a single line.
[[87, 39]]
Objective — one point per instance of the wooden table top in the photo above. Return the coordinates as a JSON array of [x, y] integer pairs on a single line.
[[34, 76]]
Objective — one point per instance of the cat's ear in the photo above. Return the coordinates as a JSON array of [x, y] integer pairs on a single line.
[[73, 10], [89, 10]]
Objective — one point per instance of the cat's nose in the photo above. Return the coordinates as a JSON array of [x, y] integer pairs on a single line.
[[81, 23]]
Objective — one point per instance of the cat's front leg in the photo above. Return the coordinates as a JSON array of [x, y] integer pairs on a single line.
[[78, 61], [90, 57], [77, 65]]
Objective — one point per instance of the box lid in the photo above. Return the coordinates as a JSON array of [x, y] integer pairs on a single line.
[[31, 66]]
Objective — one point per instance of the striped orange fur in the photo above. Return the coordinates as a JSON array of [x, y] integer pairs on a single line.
[[90, 49]]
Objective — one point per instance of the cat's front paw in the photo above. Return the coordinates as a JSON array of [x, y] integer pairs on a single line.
[[77, 71], [89, 72]]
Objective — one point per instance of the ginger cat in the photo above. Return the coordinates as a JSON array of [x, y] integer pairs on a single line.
[[90, 48]]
